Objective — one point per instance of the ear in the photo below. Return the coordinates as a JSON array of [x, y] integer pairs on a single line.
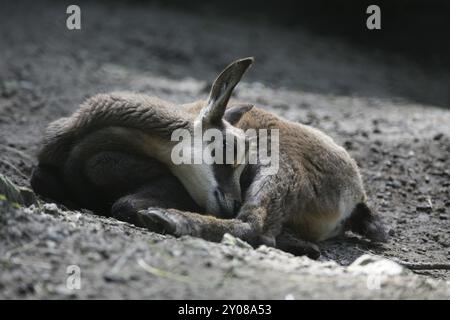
[[235, 113], [221, 90]]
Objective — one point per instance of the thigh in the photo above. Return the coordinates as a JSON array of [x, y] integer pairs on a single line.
[[114, 174]]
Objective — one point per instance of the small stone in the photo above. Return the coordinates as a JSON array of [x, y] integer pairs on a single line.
[[443, 217], [375, 265], [50, 208], [233, 241], [438, 136]]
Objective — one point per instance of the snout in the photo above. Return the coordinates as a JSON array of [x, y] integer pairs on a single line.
[[228, 204]]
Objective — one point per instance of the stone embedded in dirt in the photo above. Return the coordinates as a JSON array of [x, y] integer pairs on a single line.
[[236, 242], [375, 265], [51, 208], [438, 136]]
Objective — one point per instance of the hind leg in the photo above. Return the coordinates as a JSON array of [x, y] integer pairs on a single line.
[[114, 174]]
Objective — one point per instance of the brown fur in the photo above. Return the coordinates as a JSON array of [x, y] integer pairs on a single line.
[[316, 193]]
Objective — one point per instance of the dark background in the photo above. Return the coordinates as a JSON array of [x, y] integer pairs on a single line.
[[418, 29]]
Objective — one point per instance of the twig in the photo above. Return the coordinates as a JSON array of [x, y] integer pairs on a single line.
[[14, 167], [122, 259], [161, 273], [419, 265], [425, 266], [19, 152]]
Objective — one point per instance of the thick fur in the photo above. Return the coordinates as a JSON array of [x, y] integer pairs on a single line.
[[114, 149], [316, 194]]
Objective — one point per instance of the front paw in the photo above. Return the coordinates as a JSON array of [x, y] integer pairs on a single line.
[[164, 221]]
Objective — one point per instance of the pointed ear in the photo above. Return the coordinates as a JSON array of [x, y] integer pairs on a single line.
[[235, 113], [221, 90]]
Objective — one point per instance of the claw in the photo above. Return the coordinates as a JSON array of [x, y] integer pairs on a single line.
[[163, 221], [158, 221]]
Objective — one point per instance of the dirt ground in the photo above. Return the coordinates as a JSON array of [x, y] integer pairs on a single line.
[[391, 115]]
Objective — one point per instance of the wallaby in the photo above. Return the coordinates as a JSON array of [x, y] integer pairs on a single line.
[[117, 147], [316, 194]]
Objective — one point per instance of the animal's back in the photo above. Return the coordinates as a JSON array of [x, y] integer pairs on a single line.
[[121, 123], [324, 180], [135, 111]]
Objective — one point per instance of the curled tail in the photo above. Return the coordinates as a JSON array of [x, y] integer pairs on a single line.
[[364, 222]]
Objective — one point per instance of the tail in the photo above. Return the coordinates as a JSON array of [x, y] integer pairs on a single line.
[[364, 222]]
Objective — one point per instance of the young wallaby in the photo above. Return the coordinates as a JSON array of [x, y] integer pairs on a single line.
[[316, 194], [117, 148]]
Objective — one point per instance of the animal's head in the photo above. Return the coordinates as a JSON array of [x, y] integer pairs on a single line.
[[219, 149]]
